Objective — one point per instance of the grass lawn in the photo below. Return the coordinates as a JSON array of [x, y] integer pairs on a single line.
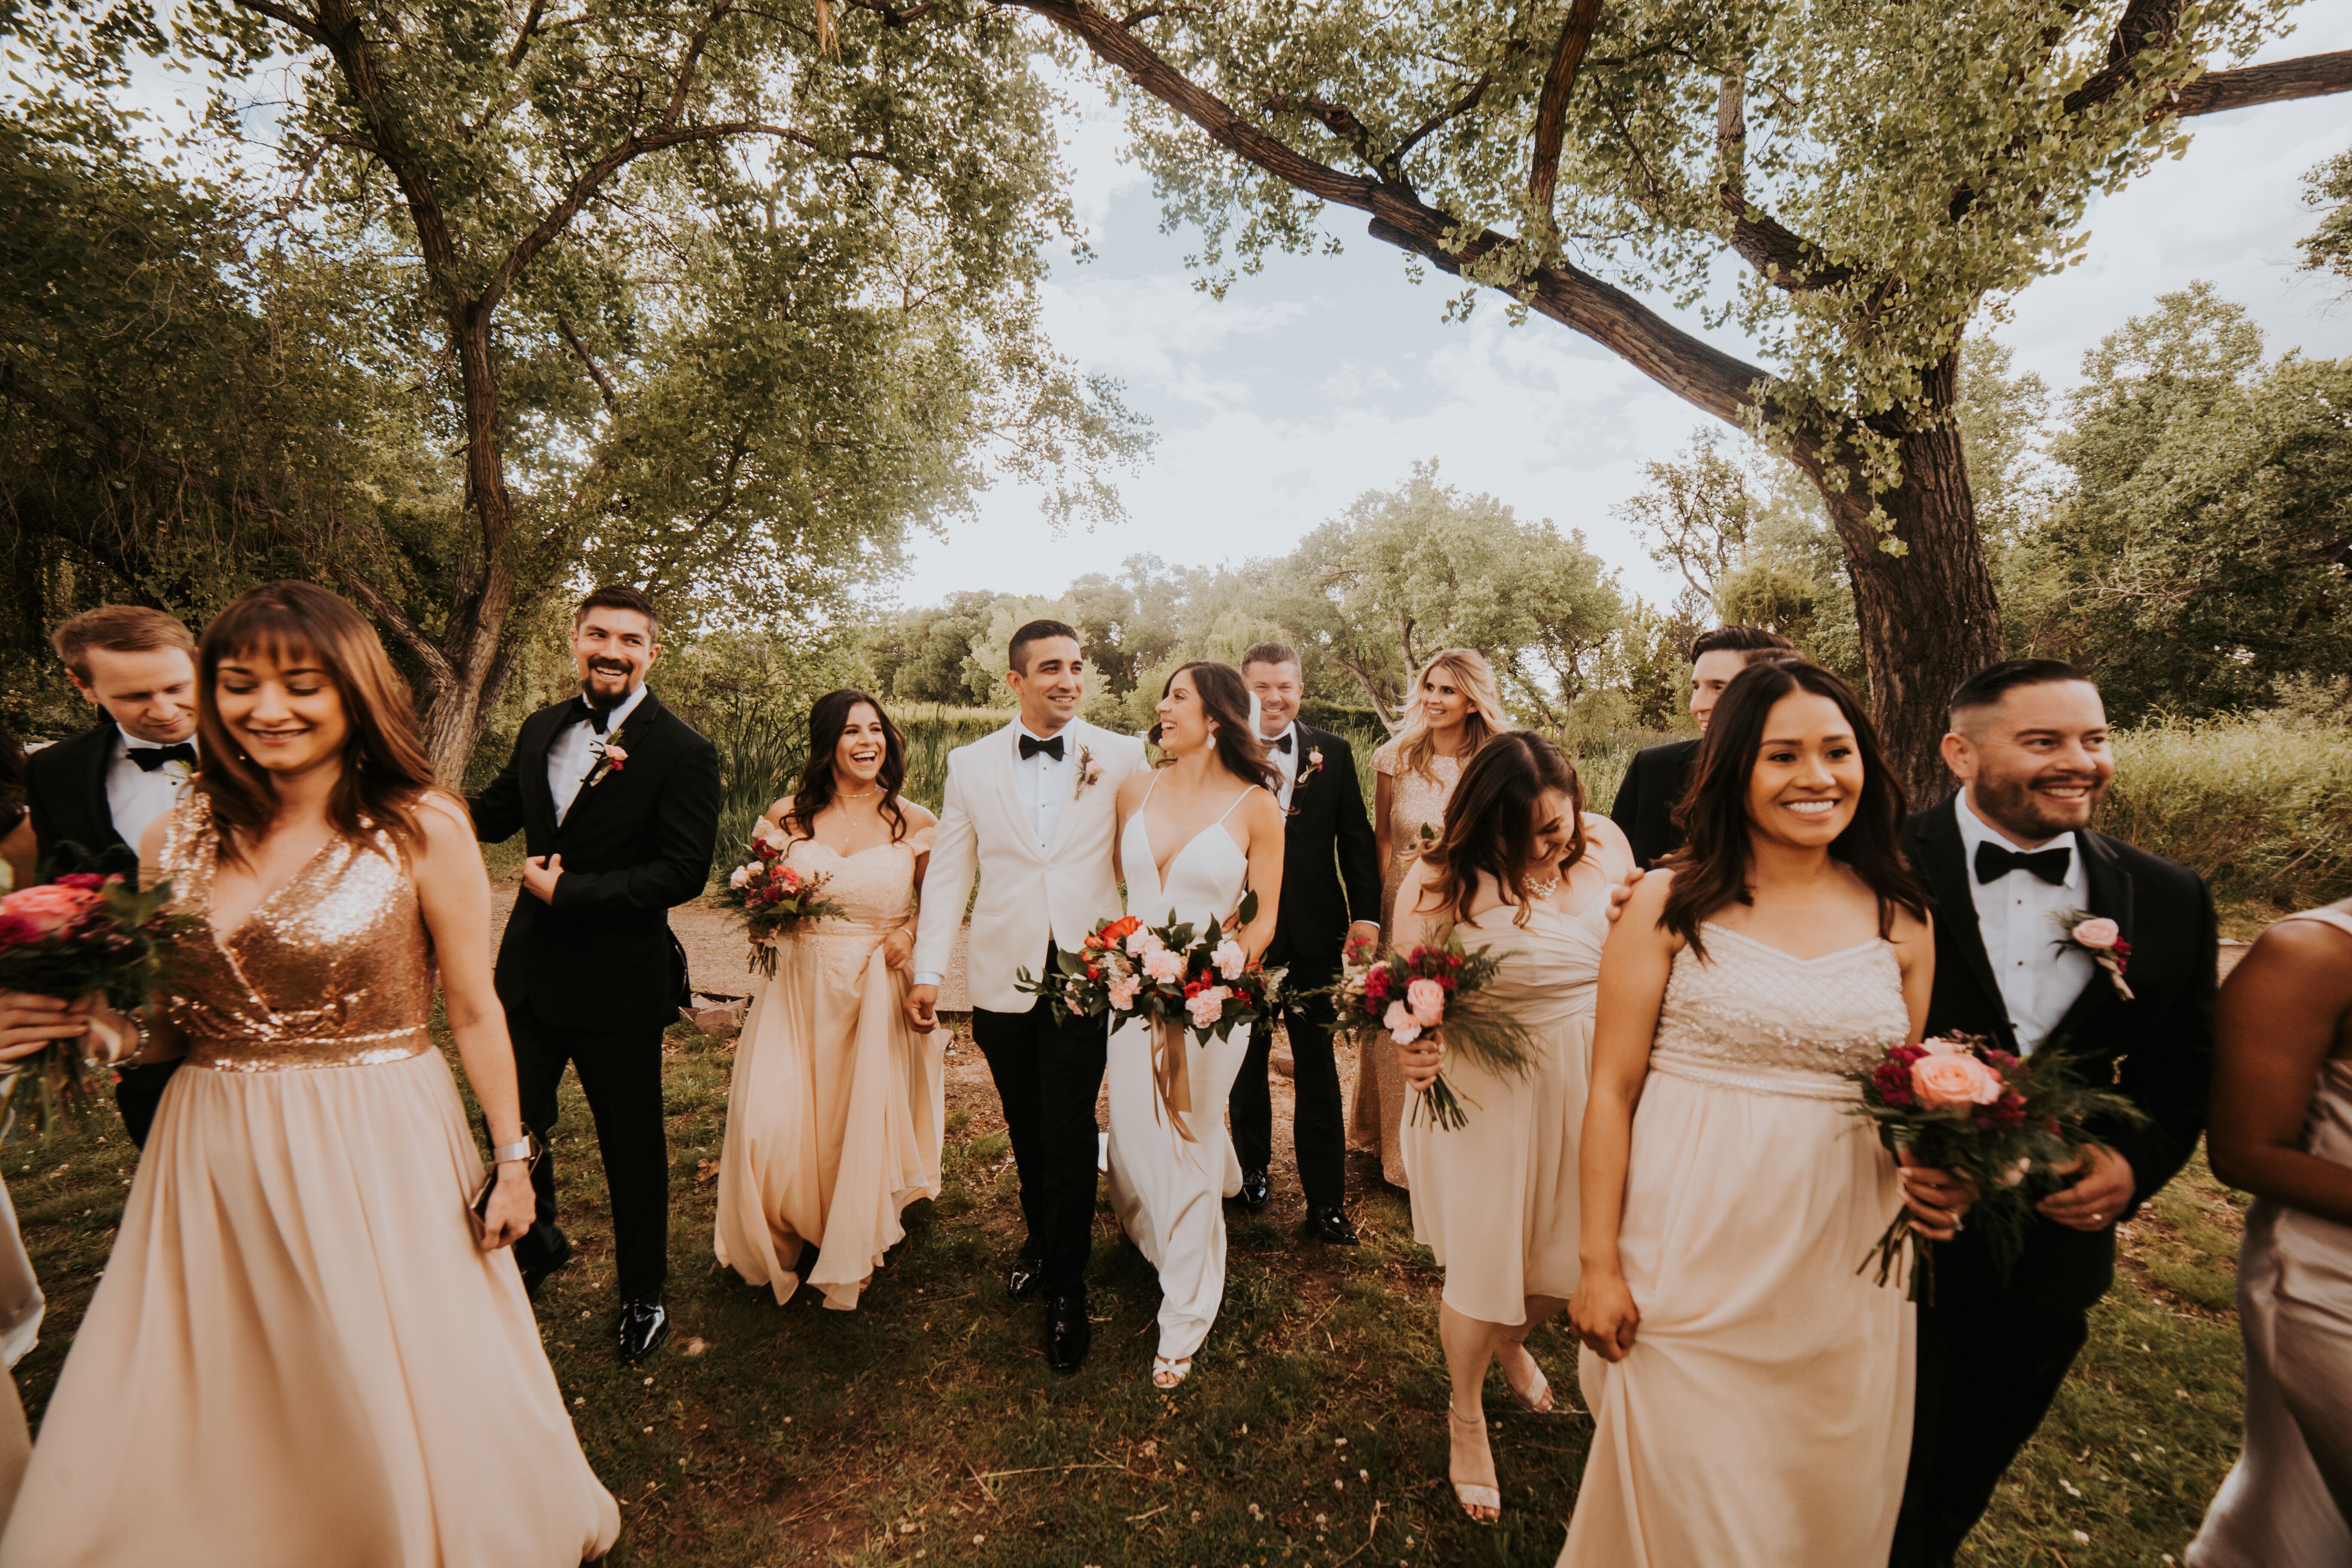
[[925, 1427]]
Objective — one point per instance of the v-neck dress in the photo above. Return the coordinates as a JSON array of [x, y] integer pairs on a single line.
[[298, 1355]]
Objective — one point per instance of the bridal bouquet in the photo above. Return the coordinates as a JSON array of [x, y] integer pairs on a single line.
[[1429, 988], [775, 901], [79, 936], [1961, 1105], [1170, 977]]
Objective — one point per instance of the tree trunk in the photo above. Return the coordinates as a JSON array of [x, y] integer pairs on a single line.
[[1929, 618]]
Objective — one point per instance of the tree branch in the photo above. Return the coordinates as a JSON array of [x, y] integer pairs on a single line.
[[287, 18], [2311, 76], [1551, 109], [1695, 371], [596, 373], [1453, 111], [522, 39]]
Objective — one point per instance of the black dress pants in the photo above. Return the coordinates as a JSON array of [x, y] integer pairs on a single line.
[[620, 1073], [1318, 1129], [1973, 1412], [1048, 1068], [138, 1093]]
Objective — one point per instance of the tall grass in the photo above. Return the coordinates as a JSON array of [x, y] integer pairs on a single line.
[[2261, 807]]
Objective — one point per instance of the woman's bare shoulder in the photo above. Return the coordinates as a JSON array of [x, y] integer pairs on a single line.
[[918, 814]]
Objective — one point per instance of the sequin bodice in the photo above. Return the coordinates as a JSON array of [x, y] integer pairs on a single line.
[[1414, 799], [1749, 1015], [333, 969]]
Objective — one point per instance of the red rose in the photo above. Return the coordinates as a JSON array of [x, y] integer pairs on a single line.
[[89, 881]]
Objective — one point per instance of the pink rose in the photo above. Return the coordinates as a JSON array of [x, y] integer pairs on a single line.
[[2098, 933], [1944, 1079], [1206, 1006], [1122, 992], [1427, 1000], [1165, 968], [50, 908], [1399, 1021]]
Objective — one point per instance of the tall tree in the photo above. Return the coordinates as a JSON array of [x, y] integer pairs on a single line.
[[1877, 172], [708, 295]]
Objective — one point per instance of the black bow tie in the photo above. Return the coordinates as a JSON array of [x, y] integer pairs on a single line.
[[149, 758], [597, 718], [1031, 745], [1994, 862], [1282, 742]]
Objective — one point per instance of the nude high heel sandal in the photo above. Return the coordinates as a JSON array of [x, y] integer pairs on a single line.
[[1481, 1503]]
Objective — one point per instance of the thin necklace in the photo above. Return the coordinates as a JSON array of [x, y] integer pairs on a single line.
[[869, 794]]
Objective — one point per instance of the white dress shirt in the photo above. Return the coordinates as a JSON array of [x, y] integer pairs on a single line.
[[1045, 782], [2039, 971], [1286, 762], [135, 797], [574, 752]]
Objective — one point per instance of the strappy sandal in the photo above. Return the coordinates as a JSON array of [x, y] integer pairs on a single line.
[[1474, 1495], [1167, 1374], [1538, 1395]]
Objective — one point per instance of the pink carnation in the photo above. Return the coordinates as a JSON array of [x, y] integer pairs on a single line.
[[1165, 968], [1400, 1024], [1123, 989], [1207, 1007]]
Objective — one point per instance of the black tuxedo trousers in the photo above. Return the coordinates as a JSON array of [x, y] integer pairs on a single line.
[[1048, 1068]]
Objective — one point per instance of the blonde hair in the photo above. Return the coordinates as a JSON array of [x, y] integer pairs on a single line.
[[1487, 719]]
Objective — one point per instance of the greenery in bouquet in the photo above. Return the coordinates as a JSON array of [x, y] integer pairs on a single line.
[[2011, 1124], [1432, 988], [82, 935], [1173, 974], [775, 900]]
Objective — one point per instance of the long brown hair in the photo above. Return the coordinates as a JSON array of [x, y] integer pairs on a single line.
[[1490, 823], [1225, 703], [1712, 867], [385, 773], [828, 717]]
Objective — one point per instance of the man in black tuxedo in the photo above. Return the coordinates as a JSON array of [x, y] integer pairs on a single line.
[[90, 797], [617, 799], [2009, 862], [1659, 776], [1330, 871]]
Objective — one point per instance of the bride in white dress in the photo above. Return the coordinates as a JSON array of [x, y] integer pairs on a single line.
[[1193, 837]]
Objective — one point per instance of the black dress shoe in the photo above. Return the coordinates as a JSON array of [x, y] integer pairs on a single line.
[[1022, 1279], [541, 1252], [1068, 1333], [642, 1326], [1331, 1224], [1255, 1193]]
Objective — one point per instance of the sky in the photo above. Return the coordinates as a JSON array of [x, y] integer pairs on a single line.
[[1322, 377]]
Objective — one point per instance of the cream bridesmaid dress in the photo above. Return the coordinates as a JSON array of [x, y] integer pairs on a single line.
[[1763, 1416], [1497, 1199], [1376, 1118], [298, 1355], [837, 1108], [2287, 1500]]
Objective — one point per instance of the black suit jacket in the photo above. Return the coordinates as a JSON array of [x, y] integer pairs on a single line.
[[73, 822], [1644, 807], [1330, 862], [601, 956], [2155, 1049]]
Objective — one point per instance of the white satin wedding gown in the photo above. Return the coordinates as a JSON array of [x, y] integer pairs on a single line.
[[1168, 1189]]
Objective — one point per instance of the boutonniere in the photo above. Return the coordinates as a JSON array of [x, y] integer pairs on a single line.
[[1313, 765], [2103, 940], [610, 758], [1089, 773]]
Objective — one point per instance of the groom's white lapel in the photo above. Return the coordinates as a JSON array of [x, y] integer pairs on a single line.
[[1007, 749], [1079, 735]]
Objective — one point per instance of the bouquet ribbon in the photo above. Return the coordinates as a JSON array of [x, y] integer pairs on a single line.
[[1171, 1073]]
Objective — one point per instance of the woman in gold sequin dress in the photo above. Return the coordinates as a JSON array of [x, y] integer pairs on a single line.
[[837, 1108], [303, 1351], [1456, 710]]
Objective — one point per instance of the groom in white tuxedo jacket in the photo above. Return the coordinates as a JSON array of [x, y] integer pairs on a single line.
[[1031, 809]]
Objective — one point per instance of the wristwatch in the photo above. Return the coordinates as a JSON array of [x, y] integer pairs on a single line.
[[527, 1148]]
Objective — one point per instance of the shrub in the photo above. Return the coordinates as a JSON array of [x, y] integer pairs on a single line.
[[2262, 807]]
